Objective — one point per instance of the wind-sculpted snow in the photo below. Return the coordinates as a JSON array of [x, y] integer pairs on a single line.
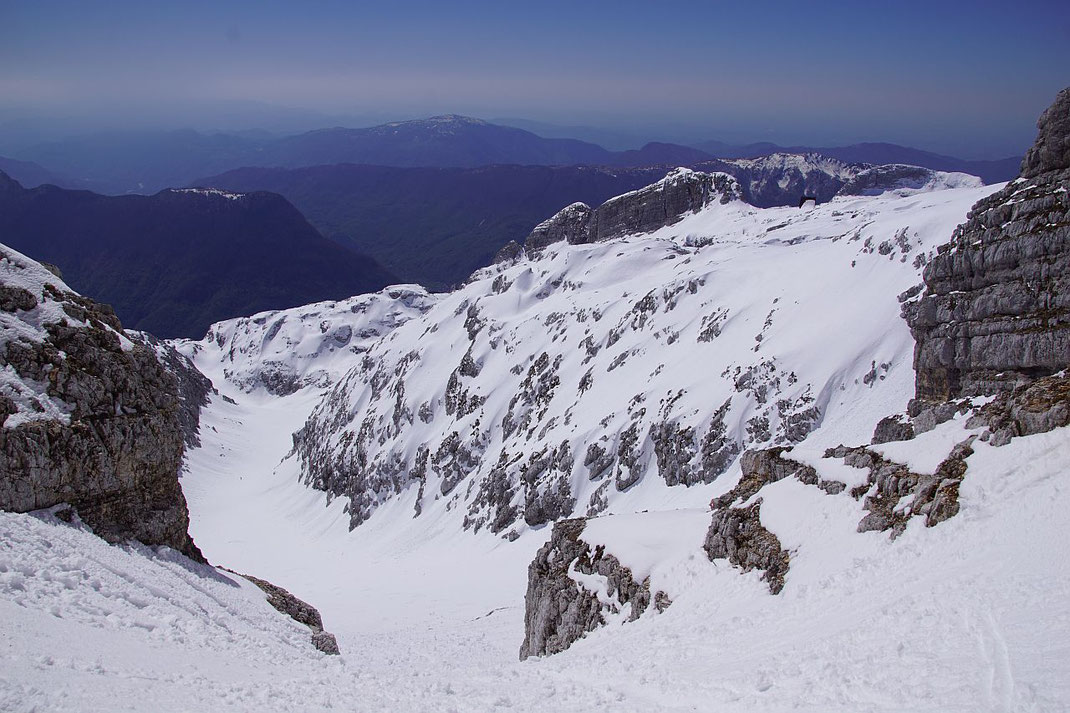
[[564, 384], [313, 345]]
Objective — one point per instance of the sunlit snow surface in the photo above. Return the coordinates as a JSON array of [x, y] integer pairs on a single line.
[[972, 615]]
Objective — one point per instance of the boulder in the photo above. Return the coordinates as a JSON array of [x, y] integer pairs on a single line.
[[559, 610]]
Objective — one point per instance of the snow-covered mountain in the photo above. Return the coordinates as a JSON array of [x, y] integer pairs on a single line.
[[671, 352], [613, 375], [676, 418], [282, 351]]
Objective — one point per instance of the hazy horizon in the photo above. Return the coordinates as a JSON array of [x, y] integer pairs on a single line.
[[963, 79]]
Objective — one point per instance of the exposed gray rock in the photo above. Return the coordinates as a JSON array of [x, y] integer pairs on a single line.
[[1051, 151], [95, 419], [926, 415], [875, 180], [508, 253], [300, 611], [781, 178], [660, 204], [932, 496], [571, 224], [663, 203], [995, 313], [194, 387], [893, 428], [547, 479], [1036, 408], [558, 610], [736, 533], [325, 642]]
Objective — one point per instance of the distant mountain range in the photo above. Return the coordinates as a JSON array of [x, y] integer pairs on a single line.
[[147, 162], [433, 225], [177, 261], [877, 153], [31, 175]]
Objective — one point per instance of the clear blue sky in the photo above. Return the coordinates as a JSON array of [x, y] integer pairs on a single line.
[[967, 77]]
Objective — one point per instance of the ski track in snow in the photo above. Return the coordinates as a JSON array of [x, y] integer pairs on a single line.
[[972, 615]]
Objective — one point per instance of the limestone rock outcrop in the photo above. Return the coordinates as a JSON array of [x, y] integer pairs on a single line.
[[658, 205], [559, 610], [571, 224], [194, 388], [300, 611], [90, 417], [995, 313], [1051, 150]]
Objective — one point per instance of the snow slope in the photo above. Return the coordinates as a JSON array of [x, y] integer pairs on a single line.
[[606, 377], [93, 627], [961, 617], [282, 351]]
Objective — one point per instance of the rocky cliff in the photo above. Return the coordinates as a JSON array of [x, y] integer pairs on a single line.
[[781, 178], [194, 388], [995, 311], [658, 205], [91, 418], [993, 320]]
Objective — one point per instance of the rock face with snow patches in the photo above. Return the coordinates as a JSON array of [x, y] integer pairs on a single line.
[[285, 350], [875, 180], [781, 178], [1051, 151], [301, 612], [996, 308], [568, 225], [91, 418], [658, 205], [194, 388], [562, 383], [559, 609]]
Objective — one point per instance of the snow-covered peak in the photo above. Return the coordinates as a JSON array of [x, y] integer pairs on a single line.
[[281, 351], [442, 123], [456, 119], [726, 186], [569, 212], [804, 163], [214, 192], [904, 180]]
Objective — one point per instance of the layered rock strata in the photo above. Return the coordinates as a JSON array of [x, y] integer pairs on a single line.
[[90, 418], [658, 205], [995, 313]]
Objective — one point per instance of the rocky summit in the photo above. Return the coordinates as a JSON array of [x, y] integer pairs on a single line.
[[661, 204]]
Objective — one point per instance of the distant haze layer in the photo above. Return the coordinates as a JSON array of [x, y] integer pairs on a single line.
[[958, 78]]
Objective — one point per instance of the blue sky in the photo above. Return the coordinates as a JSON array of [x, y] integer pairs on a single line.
[[965, 77]]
